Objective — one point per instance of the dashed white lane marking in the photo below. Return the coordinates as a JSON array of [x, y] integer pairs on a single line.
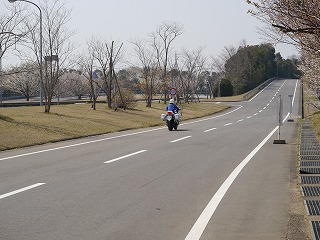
[[228, 124], [180, 139], [111, 138], [255, 114], [126, 156], [260, 111], [214, 117], [20, 190], [264, 108], [211, 129], [240, 120], [249, 117]]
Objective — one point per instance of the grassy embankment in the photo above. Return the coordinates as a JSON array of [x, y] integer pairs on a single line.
[[27, 126]]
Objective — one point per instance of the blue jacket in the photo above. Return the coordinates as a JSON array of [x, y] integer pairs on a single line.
[[172, 107]]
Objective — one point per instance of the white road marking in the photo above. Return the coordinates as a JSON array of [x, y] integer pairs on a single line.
[[249, 117], [228, 124], [264, 108], [255, 114], [201, 223], [260, 92], [20, 190], [210, 130], [240, 120], [260, 111], [177, 140], [126, 156], [206, 119], [79, 144], [110, 138]]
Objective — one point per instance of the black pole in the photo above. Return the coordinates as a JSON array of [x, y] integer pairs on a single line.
[[302, 100]]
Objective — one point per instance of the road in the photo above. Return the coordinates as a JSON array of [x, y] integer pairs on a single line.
[[219, 177]]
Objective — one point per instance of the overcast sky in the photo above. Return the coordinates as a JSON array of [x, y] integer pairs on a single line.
[[212, 24]]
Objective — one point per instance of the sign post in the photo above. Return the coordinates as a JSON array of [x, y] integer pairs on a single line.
[[279, 121], [290, 108], [173, 92]]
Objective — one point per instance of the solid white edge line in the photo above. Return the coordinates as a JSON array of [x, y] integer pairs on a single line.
[[79, 144], [126, 156], [260, 92], [20, 190], [177, 140], [201, 223]]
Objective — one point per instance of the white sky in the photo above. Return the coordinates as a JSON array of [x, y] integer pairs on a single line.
[[212, 24]]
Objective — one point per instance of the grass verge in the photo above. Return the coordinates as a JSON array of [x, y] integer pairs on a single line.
[[311, 112], [28, 126]]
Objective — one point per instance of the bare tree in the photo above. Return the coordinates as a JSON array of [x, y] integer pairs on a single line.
[[11, 32], [73, 83], [193, 64], [23, 80], [298, 20], [86, 64], [107, 57], [162, 39], [148, 68], [11, 28], [217, 63], [57, 47]]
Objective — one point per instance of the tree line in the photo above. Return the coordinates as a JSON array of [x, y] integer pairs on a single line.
[[154, 66]]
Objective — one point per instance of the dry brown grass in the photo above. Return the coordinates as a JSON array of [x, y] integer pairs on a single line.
[[26, 126]]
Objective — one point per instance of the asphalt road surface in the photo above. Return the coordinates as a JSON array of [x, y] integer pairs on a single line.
[[220, 177]]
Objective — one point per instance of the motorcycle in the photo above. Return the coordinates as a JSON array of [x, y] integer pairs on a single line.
[[172, 119]]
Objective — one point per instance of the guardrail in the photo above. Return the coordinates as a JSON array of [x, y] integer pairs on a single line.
[[254, 91]]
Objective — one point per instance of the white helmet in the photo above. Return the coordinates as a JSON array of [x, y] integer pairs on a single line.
[[171, 100]]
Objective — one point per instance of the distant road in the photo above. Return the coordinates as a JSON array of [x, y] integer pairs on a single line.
[[219, 177]]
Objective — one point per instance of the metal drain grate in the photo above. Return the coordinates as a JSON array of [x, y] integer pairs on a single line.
[[310, 158], [310, 170], [310, 142], [313, 207], [310, 164], [316, 229], [310, 153], [310, 191], [310, 179], [310, 148]]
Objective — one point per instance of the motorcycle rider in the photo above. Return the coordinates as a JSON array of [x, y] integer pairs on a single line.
[[172, 107]]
